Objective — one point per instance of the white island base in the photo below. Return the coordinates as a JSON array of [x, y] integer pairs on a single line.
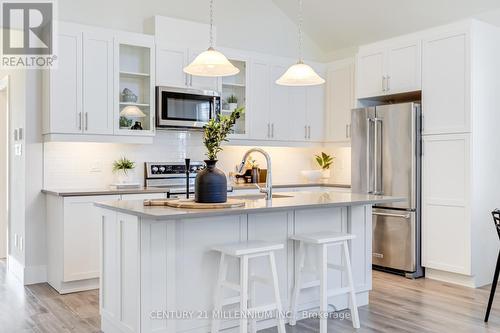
[[159, 273]]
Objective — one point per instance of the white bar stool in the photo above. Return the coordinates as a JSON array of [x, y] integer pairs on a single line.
[[322, 241], [244, 252]]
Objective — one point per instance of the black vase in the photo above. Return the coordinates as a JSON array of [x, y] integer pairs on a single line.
[[210, 185]]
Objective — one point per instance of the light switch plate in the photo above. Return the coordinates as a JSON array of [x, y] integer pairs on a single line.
[[18, 149]]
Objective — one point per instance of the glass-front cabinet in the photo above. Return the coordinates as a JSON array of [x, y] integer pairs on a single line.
[[135, 110], [234, 95]]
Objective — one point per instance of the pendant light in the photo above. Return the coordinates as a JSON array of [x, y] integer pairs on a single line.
[[300, 74], [211, 62]]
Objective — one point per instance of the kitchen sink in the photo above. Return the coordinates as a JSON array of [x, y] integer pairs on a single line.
[[259, 196]]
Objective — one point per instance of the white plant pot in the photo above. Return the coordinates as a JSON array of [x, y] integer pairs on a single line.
[[325, 174], [232, 106], [124, 178]]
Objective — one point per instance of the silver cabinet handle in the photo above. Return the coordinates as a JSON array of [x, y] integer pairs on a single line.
[[383, 83], [86, 121], [388, 83], [268, 130], [305, 132], [80, 121], [191, 80], [309, 135], [404, 216], [346, 131], [272, 130]]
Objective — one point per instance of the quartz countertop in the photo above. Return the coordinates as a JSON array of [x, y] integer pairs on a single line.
[[244, 186], [103, 191], [294, 200]]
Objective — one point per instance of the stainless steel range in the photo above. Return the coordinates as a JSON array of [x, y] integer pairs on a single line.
[[171, 176]]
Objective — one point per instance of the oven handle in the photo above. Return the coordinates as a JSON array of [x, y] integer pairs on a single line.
[[404, 216]]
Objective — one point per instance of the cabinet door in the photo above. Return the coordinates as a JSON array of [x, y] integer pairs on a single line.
[[315, 112], [340, 92], [297, 121], [278, 111], [404, 71], [371, 67], [81, 237], [446, 83], [65, 91], [258, 98], [170, 62], [201, 82], [446, 229], [98, 82]]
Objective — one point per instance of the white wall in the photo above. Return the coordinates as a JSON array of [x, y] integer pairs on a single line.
[[4, 118], [257, 25], [88, 165]]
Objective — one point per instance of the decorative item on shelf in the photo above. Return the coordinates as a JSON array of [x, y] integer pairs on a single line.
[[125, 123], [324, 161], [128, 96], [211, 63], [232, 102], [300, 74], [211, 183], [131, 113], [123, 168]]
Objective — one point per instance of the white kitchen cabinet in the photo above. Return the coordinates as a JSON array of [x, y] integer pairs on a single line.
[[389, 67], [260, 127], [446, 81], [460, 159], [279, 117], [170, 61], [315, 113], [297, 99], [446, 226], [63, 85], [340, 100], [81, 92], [98, 76]]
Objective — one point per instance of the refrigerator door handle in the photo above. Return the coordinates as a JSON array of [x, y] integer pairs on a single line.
[[377, 148], [369, 157], [404, 216]]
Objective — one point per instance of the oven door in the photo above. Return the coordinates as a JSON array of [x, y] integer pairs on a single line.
[[185, 107]]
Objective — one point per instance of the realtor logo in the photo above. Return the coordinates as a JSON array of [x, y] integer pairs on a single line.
[[27, 34]]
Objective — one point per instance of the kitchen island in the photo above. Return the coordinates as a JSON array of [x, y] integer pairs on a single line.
[[158, 271]]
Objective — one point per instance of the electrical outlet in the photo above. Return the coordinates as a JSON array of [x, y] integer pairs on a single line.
[[18, 149]]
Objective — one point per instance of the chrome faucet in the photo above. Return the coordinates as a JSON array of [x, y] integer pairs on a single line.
[[268, 190]]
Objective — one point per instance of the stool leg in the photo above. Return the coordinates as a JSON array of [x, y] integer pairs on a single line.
[[244, 294], [493, 288], [218, 294], [323, 288], [352, 293], [277, 296], [299, 264], [251, 302]]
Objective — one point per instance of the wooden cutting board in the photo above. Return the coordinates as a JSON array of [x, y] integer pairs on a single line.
[[191, 204]]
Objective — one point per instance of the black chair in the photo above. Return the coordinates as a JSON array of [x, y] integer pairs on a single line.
[[496, 219]]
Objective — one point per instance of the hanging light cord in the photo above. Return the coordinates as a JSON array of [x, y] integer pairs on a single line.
[[211, 24], [300, 32]]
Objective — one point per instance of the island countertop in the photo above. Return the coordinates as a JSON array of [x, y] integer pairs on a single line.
[[286, 200]]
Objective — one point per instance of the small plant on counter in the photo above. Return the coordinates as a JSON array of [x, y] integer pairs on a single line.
[[324, 161], [123, 165], [217, 130], [232, 99]]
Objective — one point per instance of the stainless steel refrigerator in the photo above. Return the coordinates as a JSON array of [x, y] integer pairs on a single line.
[[386, 160]]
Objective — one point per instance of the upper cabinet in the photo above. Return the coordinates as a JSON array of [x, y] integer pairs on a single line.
[[389, 67], [446, 81], [170, 63], [82, 93], [340, 100]]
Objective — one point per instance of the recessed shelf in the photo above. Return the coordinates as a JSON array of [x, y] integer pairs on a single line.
[[135, 74], [242, 85], [134, 104]]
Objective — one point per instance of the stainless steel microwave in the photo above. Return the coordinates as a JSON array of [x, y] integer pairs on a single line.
[[185, 108]]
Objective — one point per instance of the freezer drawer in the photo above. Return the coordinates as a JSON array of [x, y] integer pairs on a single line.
[[394, 239]]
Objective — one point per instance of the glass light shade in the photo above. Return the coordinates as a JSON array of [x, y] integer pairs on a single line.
[[211, 63], [300, 74], [132, 111]]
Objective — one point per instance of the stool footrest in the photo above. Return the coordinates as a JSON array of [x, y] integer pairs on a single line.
[[341, 291], [336, 267], [230, 285], [263, 308]]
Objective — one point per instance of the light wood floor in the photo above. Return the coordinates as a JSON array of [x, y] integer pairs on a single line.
[[396, 305]]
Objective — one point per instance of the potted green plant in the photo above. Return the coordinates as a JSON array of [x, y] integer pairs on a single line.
[[232, 102], [211, 183], [324, 161], [122, 167]]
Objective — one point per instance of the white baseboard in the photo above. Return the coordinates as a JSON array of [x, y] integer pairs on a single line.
[[455, 278]]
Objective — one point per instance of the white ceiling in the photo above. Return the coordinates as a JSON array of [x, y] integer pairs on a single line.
[[341, 24]]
